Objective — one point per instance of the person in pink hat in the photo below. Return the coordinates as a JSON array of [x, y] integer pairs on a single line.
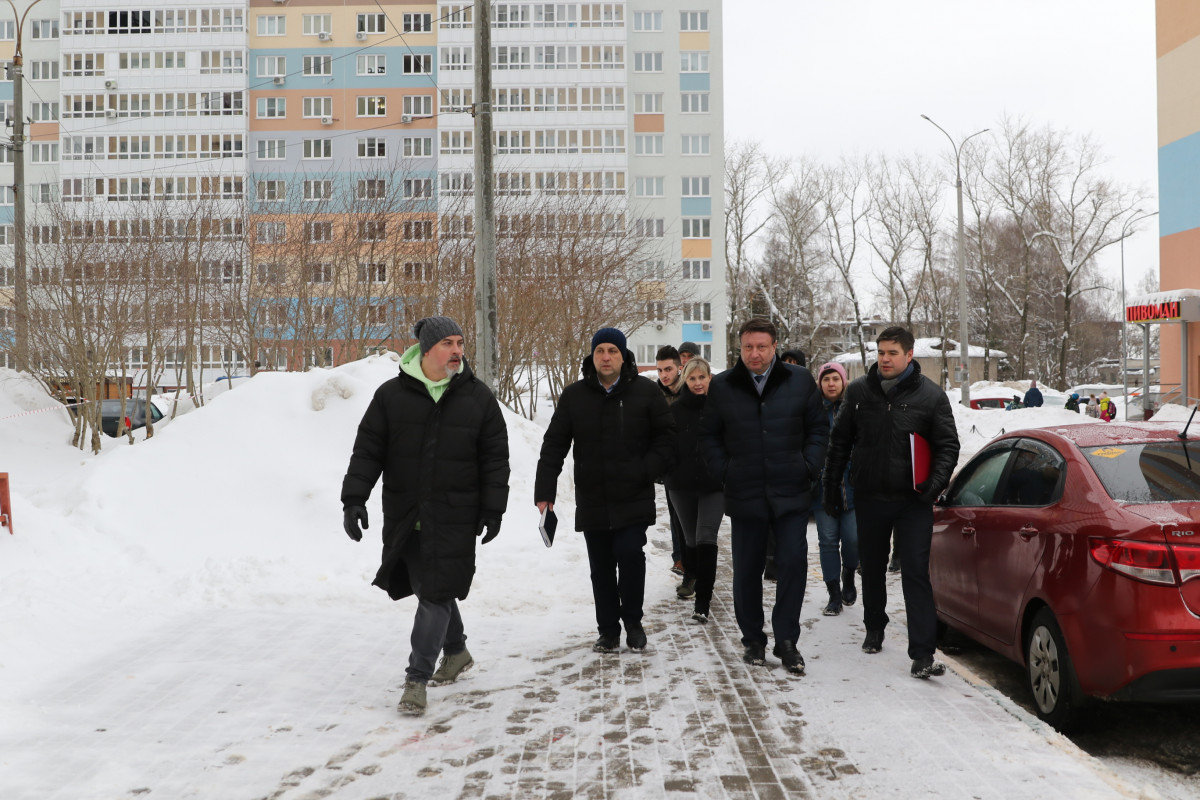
[[837, 532]]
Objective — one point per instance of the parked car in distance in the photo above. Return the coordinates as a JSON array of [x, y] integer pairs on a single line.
[[135, 414], [988, 402], [1076, 553]]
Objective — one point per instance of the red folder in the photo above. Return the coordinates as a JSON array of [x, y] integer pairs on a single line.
[[920, 458]]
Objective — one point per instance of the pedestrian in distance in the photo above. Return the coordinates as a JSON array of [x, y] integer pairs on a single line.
[[1033, 396], [794, 356], [1072, 403], [670, 381], [432, 432], [1014, 404], [688, 351], [1093, 407], [764, 435], [837, 533], [1107, 408], [873, 433], [693, 492], [624, 440]]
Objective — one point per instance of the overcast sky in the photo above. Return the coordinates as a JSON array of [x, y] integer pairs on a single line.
[[827, 77]]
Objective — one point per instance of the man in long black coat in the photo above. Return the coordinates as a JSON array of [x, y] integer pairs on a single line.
[[624, 438], [872, 432], [764, 435], [437, 436]]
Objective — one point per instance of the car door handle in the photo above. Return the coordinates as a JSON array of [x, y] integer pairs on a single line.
[[1027, 532], [968, 530]]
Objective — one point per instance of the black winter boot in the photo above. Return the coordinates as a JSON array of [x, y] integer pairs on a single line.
[[687, 587], [706, 576], [849, 592], [835, 599]]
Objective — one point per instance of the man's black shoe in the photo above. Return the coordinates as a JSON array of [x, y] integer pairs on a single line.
[[894, 564], [926, 667], [786, 652], [755, 655], [607, 644], [635, 637], [874, 642]]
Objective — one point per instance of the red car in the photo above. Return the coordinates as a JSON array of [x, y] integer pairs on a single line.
[[1076, 552]]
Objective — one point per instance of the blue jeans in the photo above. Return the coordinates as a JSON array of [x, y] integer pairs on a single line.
[[791, 565], [618, 567], [834, 533]]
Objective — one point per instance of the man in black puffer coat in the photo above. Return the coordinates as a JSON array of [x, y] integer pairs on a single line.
[[872, 432], [764, 435], [437, 436], [624, 438]]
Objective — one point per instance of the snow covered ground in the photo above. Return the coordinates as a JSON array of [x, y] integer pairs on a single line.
[[185, 618]]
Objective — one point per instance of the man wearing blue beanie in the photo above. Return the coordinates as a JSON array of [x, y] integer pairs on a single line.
[[624, 439]]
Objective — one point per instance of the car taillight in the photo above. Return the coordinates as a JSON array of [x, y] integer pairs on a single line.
[[1187, 558], [128, 424], [1144, 561]]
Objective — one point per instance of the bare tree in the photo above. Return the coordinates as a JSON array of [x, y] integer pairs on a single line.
[[749, 177]]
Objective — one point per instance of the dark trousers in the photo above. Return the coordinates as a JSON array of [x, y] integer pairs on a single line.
[[618, 567], [791, 563], [677, 541], [437, 626], [912, 523]]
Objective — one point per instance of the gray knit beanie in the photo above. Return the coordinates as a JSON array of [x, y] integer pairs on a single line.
[[431, 330]]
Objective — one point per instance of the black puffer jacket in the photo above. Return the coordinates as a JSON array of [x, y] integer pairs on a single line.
[[872, 430], [768, 450], [689, 473], [624, 441], [444, 465]]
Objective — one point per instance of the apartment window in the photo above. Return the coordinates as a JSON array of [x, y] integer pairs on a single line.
[[48, 28], [45, 152], [372, 23], [318, 231], [648, 144], [317, 107], [372, 65], [272, 25], [43, 70], [270, 191], [372, 106], [656, 311], [372, 147], [371, 189], [317, 190], [649, 187], [647, 103], [418, 271], [134, 60], [457, 183], [318, 23], [321, 272], [271, 66], [318, 148], [83, 65], [272, 273], [696, 187], [270, 232], [418, 146], [272, 107], [372, 230], [695, 145], [647, 62], [649, 228], [456, 58], [417, 105], [44, 112], [417, 23], [372, 272], [318, 65], [8, 30], [697, 269], [320, 356], [697, 312], [418, 230], [418, 65], [696, 228], [693, 20], [693, 61], [174, 59], [694, 102], [418, 187], [6, 195], [42, 192], [648, 21], [271, 149]]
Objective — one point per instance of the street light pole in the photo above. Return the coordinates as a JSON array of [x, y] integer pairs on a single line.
[[1125, 325], [963, 350]]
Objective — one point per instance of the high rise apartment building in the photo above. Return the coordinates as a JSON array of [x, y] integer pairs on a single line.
[[267, 113]]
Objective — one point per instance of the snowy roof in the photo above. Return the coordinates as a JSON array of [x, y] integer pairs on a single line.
[[1167, 296], [928, 347]]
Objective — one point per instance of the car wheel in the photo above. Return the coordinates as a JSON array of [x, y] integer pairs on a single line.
[[1056, 694]]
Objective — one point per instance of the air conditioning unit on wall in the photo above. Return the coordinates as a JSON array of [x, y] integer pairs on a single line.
[[361, 36], [278, 80], [324, 36], [326, 120], [706, 327], [110, 85], [405, 119]]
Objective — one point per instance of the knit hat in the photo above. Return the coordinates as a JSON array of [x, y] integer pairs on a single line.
[[431, 330], [795, 355], [688, 347], [832, 366], [609, 336]]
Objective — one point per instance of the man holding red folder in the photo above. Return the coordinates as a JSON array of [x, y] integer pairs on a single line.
[[896, 478]]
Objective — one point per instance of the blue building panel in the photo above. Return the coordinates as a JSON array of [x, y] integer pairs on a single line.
[[696, 206], [1179, 185], [694, 332], [344, 69], [695, 82]]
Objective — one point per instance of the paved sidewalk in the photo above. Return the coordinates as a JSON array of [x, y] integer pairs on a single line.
[[293, 705]]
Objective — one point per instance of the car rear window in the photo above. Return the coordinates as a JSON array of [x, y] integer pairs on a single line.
[[1154, 472]]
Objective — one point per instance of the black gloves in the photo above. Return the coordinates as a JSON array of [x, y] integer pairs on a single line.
[[831, 502], [493, 529], [926, 492], [352, 516]]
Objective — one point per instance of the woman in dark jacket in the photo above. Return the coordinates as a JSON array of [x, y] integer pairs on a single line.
[[837, 535], [697, 497]]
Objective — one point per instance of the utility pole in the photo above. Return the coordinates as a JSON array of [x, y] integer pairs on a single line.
[[487, 362], [21, 279]]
